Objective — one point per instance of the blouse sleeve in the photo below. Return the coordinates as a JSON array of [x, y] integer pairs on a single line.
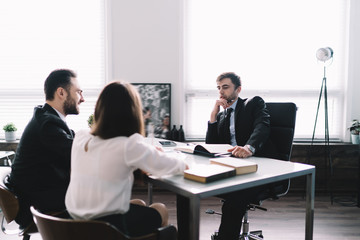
[[140, 154]]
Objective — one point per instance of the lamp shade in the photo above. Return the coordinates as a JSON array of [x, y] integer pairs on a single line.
[[324, 54]]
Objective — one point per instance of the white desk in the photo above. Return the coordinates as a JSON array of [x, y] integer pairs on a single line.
[[269, 170], [5, 158]]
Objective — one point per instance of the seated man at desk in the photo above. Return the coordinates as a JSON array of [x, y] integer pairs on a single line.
[[41, 170], [245, 124]]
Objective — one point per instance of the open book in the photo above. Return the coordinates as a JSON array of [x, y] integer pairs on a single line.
[[206, 173], [241, 166], [210, 150]]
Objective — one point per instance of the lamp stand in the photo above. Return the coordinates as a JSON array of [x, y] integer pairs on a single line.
[[327, 159]]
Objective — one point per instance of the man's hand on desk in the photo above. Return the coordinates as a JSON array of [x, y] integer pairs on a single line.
[[240, 152]]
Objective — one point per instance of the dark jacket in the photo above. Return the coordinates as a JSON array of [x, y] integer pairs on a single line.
[[41, 170], [252, 125]]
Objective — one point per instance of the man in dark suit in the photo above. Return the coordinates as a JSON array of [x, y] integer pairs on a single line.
[[41, 170], [249, 119], [247, 128]]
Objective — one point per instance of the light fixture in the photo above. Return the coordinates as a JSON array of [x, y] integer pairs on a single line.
[[324, 54]]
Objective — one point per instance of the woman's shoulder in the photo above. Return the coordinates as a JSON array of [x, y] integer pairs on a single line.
[[83, 132], [136, 139]]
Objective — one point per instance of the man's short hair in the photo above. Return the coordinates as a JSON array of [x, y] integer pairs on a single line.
[[58, 78], [235, 79]]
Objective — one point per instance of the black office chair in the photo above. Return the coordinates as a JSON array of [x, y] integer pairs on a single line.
[[282, 124]]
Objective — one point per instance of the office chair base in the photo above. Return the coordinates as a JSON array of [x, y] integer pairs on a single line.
[[256, 235]]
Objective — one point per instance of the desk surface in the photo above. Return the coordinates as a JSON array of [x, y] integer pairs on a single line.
[[6, 157], [269, 170], [6, 153]]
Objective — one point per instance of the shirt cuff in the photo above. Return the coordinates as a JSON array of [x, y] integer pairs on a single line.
[[251, 148]]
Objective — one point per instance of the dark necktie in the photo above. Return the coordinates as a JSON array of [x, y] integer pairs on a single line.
[[227, 125]]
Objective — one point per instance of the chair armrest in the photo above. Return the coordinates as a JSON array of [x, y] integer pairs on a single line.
[[167, 233]]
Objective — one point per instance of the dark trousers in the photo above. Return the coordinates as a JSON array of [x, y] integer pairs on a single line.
[[233, 211], [45, 201], [138, 221]]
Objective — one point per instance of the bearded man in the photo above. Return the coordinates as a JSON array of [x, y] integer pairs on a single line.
[[41, 170], [245, 124]]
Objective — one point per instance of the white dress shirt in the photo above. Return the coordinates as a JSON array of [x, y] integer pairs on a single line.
[[232, 124]]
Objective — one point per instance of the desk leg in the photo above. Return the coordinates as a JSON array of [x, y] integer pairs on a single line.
[[310, 195], [150, 193], [194, 222]]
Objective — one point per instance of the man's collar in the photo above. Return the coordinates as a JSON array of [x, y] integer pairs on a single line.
[[60, 115], [233, 106]]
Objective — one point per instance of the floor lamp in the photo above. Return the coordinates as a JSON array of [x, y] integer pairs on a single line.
[[324, 55]]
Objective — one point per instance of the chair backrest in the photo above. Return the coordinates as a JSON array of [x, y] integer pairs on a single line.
[[9, 204], [55, 228], [282, 123]]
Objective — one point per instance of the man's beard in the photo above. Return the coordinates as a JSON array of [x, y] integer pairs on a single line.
[[70, 106], [232, 98]]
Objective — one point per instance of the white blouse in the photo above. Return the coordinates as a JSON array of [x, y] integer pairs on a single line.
[[102, 177]]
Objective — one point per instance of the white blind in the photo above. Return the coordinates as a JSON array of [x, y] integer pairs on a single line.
[[40, 36], [272, 46]]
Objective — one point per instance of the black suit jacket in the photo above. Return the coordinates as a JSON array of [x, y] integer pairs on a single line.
[[252, 125], [41, 170]]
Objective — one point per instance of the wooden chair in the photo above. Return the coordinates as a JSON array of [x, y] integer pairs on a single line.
[[9, 205], [55, 228]]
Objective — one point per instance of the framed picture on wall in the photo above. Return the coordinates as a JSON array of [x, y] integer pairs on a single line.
[[156, 100]]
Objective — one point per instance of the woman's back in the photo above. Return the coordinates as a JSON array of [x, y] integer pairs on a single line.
[[102, 172]]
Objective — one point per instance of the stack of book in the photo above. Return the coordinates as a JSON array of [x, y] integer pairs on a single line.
[[219, 168]]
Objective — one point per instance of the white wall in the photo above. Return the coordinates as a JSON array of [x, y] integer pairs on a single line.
[[147, 47], [353, 89], [146, 44]]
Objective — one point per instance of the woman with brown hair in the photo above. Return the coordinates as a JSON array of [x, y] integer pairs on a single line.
[[103, 161]]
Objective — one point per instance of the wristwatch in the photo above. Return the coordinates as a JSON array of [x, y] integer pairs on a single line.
[[251, 148]]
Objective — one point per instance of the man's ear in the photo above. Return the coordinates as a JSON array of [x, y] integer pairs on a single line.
[[238, 90], [61, 93]]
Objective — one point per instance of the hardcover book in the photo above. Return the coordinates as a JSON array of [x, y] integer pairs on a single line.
[[241, 166], [210, 150], [206, 173]]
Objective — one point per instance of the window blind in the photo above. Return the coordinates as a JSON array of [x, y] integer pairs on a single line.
[[40, 36], [272, 46]]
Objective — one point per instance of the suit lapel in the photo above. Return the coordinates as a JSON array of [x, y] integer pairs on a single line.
[[50, 110], [239, 109]]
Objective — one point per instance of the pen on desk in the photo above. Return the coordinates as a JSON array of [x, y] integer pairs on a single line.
[[222, 154]]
